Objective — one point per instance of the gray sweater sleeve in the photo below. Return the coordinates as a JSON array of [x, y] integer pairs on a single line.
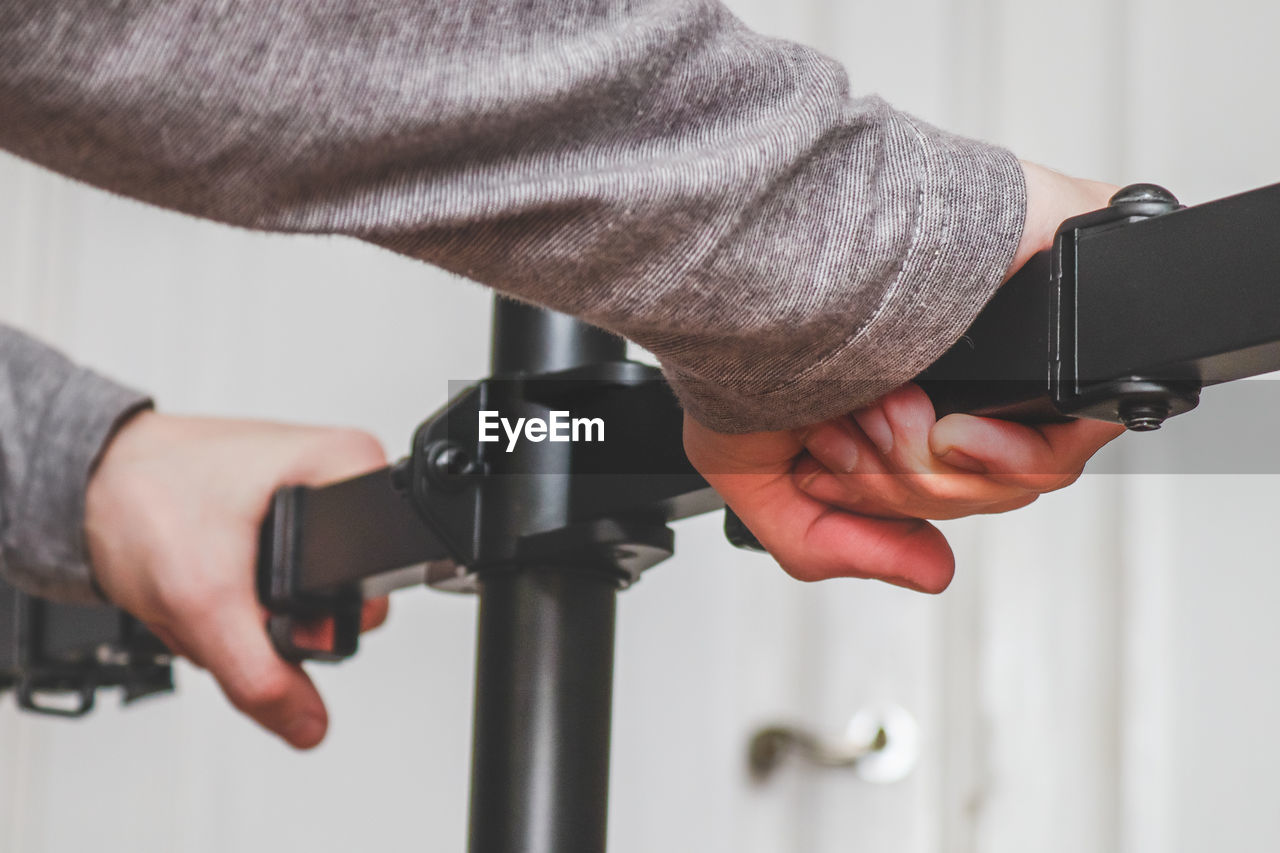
[[55, 418], [788, 251]]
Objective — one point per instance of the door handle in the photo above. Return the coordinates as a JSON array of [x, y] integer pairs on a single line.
[[880, 744]]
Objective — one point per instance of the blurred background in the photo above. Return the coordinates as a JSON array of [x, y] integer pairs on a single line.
[[1096, 679]]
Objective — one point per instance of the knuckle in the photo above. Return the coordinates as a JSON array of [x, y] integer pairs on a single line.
[[888, 489], [943, 488], [182, 595]]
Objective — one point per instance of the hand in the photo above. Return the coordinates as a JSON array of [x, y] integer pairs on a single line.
[[892, 459], [1052, 198], [172, 517], [848, 497], [813, 540]]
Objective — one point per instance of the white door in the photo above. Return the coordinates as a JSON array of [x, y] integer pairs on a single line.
[[1095, 679]]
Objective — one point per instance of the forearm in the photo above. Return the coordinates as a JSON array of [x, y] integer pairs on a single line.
[[55, 418], [653, 167]]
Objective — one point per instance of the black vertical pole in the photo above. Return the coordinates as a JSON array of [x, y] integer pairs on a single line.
[[544, 660]]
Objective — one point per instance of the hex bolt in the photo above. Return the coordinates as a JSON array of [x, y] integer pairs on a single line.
[[449, 465], [1143, 415], [452, 461]]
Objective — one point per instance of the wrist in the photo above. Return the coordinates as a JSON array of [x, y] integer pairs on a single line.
[[108, 494], [1053, 197]]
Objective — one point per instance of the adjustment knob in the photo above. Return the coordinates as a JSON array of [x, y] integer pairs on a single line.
[[1146, 193]]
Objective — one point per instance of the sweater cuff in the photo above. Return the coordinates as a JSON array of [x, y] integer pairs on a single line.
[[970, 208], [46, 553]]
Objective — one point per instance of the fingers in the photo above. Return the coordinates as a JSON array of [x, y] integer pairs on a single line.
[[274, 692], [909, 413], [892, 459], [1040, 458], [814, 541], [846, 498], [318, 635], [177, 506], [896, 473], [1009, 506], [1079, 440], [374, 613], [842, 447], [830, 543], [934, 496], [339, 455], [809, 539], [232, 643]]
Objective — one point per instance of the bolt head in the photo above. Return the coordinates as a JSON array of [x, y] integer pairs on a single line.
[[454, 461], [1144, 193], [1144, 416]]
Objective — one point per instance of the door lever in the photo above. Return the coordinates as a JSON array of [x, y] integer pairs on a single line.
[[880, 744]]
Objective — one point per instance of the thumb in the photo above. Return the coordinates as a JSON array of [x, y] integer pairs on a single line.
[[232, 644]]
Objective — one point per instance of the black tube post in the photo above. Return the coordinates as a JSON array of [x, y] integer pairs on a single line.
[[544, 659], [528, 340]]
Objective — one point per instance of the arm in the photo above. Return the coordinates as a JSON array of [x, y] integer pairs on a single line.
[[847, 497], [55, 418], [788, 251], [166, 510]]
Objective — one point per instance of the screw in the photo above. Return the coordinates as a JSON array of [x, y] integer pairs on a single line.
[[1143, 415], [453, 461], [449, 465]]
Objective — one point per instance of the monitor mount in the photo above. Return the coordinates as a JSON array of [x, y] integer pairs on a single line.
[[1137, 307]]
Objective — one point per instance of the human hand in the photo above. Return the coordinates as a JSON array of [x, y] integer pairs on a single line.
[[893, 459], [848, 497], [811, 539], [172, 517], [1053, 198]]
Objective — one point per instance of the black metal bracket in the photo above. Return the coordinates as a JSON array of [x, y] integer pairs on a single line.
[[458, 505], [1140, 403], [1137, 308], [55, 657]]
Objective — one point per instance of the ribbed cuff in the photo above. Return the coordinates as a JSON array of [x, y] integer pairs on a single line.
[[969, 213], [46, 553]]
